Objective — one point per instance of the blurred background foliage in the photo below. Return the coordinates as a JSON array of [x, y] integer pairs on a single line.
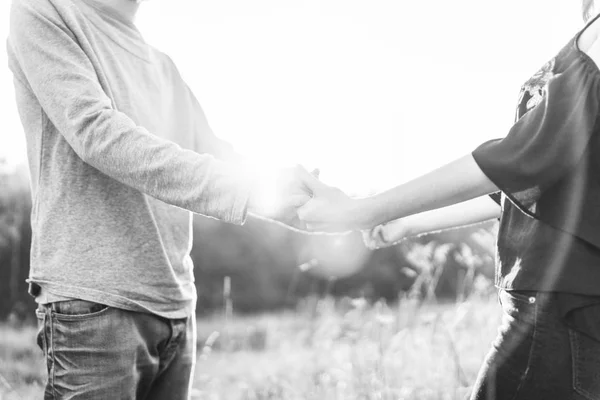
[[268, 266]]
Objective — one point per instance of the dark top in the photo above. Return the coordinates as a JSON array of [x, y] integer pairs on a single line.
[[549, 236]]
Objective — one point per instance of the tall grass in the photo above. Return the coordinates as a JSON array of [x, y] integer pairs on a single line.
[[21, 364], [325, 350], [341, 350], [350, 350]]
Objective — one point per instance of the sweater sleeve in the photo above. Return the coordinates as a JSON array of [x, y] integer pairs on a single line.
[[63, 79], [550, 140]]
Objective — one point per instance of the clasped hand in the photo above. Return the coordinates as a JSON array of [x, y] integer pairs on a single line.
[[303, 202], [331, 210]]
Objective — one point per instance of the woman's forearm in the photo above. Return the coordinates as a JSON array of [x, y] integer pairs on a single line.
[[456, 182], [466, 213]]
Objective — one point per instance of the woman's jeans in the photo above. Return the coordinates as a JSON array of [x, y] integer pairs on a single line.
[[537, 356], [98, 352]]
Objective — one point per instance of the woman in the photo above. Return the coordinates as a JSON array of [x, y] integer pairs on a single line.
[[543, 179]]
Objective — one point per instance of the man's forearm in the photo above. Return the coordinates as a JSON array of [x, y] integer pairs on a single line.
[[459, 181], [111, 142]]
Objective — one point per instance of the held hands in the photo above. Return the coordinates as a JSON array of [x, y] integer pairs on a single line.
[[298, 199], [331, 210], [278, 196]]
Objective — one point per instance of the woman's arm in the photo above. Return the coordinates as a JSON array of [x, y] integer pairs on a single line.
[[546, 144], [330, 210], [543, 146], [453, 183], [467, 213]]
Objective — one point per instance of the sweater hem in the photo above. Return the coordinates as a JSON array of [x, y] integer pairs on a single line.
[[186, 307]]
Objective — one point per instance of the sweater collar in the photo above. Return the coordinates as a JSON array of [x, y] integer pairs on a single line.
[[122, 31]]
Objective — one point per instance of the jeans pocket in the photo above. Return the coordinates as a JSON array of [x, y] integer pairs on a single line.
[[77, 309], [586, 365]]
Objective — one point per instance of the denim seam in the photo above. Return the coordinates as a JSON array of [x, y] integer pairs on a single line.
[[50, 351], [574, 353], [573, 336], [530, 357]]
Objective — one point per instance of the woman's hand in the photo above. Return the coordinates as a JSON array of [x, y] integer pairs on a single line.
[[385, 235], [331, 210]]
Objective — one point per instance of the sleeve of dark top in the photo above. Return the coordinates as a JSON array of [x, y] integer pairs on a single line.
[[497, 197], [550, 140]]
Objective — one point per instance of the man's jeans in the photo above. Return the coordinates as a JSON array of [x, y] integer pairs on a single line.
[[536, 356], [98, 352]]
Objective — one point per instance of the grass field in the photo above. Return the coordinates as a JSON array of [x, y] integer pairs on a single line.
[[325, 350]]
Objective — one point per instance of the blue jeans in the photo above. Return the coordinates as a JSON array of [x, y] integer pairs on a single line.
[[537, 356], [97, 352]]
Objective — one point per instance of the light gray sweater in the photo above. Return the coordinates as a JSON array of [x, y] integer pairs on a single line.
[[118, 153]]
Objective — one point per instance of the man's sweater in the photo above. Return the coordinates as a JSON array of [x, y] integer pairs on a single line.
[[118, 151]]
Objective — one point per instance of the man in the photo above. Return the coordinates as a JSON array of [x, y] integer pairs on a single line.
[[118, 150]]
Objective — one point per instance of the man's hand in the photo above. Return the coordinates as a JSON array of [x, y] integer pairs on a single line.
[[277, 197]]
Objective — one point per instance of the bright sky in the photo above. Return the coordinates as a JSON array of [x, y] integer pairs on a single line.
[[371, 92]]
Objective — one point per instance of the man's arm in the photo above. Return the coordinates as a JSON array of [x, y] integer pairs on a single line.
[[459, 215], [65, 83]]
